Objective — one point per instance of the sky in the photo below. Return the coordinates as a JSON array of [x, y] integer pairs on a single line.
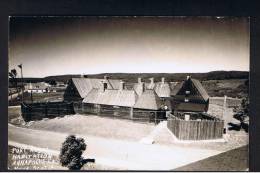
[[88, 45]]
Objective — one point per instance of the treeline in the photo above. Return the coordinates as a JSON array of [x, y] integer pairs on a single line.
[[132, 77], [175, 77]]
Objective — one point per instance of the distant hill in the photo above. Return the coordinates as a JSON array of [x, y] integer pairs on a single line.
[[174, 77], [132, 77]]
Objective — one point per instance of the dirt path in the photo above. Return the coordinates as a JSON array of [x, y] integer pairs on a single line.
[[115, 153]]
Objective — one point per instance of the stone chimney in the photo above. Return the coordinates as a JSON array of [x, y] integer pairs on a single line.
[[139, 80], [163, 80], [103, 86], [122, 85], [152, 80]]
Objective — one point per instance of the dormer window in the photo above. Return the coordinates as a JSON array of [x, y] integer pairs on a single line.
[[186, 100], [187, 92]]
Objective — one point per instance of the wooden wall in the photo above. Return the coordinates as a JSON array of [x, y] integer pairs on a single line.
[[38, 111], [195, 130]]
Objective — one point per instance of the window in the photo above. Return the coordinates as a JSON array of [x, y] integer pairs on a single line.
[[186, 100], [187, 92]]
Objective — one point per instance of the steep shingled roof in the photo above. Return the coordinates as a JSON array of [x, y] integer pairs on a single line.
[[201, 89], [177, 88], [125, 98], [148, 100], [85, 85], [162, 89], [196, 83]]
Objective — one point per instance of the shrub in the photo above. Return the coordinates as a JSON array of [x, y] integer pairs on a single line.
[[71, 152]]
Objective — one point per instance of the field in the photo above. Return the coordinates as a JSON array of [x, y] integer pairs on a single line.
[[232, 87]]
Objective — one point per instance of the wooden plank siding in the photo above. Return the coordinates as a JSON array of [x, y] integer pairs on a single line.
[[38, 111], [195, 130]]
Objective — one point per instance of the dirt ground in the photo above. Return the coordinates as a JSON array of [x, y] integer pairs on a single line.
[[45, 161], [125, 155], [125, 130], [129, 130], [95, 126]]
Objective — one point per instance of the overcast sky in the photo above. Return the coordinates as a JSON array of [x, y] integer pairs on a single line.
[[73, 45]]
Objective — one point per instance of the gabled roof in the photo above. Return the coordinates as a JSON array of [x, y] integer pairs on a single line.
[[201, 89], [196, 83], [125, 98], [162, 89], [85, 85], [177, 88], [138, 88], [148, 100]]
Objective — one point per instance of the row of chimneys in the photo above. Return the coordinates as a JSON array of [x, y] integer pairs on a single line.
[[105, 85], [151, 79], [122, 83]]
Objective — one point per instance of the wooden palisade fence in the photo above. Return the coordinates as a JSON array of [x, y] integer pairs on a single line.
[[37, 111], [194, 129]]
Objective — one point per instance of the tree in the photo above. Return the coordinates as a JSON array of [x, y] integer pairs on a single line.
[[12, 74], [53, 82], [242, 113], [71, 153]]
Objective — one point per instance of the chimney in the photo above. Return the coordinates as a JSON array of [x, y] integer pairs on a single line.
[[152, 80], [82, 75], [122, 85], [139, 80], [163, 80], [104, 86], [142, 87], [188, 77], [105, 77]]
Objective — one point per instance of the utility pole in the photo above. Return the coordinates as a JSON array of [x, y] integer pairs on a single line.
[[21, 67]]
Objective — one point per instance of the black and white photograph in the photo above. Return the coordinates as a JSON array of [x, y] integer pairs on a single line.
[[130, 93]]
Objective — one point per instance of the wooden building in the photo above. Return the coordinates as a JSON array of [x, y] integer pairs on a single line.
[[189, 96], [39, 87], [110, 102], [122, 103], [78, 88], [162, 90]]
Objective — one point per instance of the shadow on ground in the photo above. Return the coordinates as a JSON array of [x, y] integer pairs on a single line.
[[233, 160], [238, 127]]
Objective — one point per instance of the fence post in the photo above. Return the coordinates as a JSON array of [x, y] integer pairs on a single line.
[[58, 109], [46, 110], [131, 113]]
